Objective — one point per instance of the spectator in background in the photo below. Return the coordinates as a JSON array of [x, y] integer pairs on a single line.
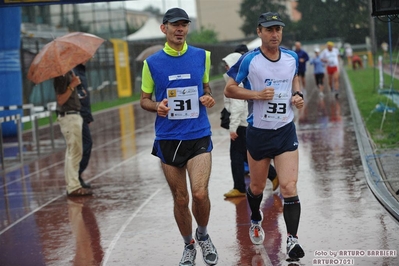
[[384, 47], [68, 116], [241, 48], [356, 62], [85, 112], [348, 54], [303, 57]]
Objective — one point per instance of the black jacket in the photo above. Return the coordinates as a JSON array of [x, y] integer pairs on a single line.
[[85, 110]]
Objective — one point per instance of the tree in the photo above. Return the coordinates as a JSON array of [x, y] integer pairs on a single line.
[[382, 32], [250, 11], [323, 19], [131, 28], [153, 10], [204, 35]]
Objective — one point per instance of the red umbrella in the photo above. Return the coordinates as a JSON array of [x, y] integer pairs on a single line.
[[63, 54]]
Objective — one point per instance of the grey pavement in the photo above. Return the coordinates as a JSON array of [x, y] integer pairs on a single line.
[[381, 166]]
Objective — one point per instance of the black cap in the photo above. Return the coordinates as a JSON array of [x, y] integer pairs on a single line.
[[270, 19], [175, 14], [241, 48]]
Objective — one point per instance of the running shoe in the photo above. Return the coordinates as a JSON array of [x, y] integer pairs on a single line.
[[294, 250], [209, 252], [234, 193], [256, 233], [189, 254]]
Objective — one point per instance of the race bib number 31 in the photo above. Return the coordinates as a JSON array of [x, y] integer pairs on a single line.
[[183, 102]]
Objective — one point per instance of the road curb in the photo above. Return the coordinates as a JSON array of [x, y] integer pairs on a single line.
[[371, 167]]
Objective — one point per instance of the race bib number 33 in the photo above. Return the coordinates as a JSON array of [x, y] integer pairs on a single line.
[[183, 102], [276, 110]]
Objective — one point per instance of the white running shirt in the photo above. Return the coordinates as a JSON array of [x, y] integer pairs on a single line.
[[257, 72], [331, 56]]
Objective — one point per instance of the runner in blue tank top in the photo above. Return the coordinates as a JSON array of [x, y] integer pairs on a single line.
[[270, 78], [178, 76]]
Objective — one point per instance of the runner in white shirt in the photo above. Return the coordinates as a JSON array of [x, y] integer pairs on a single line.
[[270, 80], [330, 56]]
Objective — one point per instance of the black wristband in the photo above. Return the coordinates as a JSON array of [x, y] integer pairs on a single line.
[[208, 93], [298, 93]]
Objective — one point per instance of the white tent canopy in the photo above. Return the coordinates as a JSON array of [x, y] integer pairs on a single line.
[[150, 30], [254, 44]]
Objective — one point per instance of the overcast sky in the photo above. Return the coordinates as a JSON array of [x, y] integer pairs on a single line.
[[163, 5]]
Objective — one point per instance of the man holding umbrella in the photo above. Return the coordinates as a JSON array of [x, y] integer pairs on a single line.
[[68, 107], [55, 60]]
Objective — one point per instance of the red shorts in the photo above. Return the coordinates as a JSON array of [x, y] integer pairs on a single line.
[[331, 69]]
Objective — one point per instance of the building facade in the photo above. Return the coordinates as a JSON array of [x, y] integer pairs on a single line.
[[105, 19], [223, 17]]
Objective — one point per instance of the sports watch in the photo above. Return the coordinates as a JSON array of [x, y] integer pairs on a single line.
[[298, 93]]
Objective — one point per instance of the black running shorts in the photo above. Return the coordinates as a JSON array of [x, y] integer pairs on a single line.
[[178, 152], [268, 143]]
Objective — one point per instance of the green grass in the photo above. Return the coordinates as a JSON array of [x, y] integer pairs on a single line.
[[384, 131], [105, 105]]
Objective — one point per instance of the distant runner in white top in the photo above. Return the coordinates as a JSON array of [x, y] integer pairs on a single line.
[[330, 56]]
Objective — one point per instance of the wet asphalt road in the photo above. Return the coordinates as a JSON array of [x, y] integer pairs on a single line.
[[129, 220]]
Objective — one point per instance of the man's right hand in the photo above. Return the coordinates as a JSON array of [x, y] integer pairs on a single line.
[[75, 81], [266, 94]]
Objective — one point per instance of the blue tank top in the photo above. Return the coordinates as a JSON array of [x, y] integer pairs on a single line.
[[185, 71]]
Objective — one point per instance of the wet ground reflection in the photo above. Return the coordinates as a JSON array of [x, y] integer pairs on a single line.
[[129, 219]]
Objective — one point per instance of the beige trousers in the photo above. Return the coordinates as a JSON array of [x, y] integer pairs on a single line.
[[71, 128]]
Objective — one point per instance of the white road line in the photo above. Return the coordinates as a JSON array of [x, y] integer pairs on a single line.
[[130, 219], [29, 214], [52, 200], [265, 258], [123, 227]]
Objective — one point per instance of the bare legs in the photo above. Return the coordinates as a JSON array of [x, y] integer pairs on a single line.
[[198, 169]]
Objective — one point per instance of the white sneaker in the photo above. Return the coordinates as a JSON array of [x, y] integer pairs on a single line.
[[189, 254], [256, 232], [209, 252]]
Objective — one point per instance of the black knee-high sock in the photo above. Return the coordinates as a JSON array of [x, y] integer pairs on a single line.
[[254, 203], [292, 213]]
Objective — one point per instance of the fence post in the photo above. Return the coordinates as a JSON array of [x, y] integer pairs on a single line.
[[32, 114], [50, 107], [35, 129], [1, 147], [20, 142]]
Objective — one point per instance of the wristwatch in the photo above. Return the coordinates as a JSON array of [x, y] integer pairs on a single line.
[[208, 93], [298, 93]]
